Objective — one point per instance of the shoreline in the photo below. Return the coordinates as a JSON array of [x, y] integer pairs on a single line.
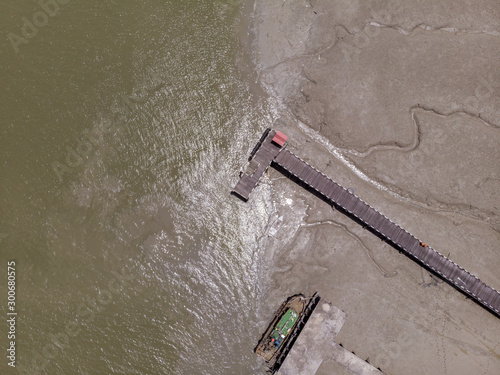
[[416, 323]]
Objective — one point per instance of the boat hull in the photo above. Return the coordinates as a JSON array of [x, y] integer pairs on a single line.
[[273, 354]]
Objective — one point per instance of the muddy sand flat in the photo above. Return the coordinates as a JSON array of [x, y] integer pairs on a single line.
[[399, 101]]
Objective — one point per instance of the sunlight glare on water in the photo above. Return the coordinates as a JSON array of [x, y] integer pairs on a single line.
[[165, 85]]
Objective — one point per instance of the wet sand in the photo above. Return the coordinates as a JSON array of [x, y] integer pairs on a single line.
[[400, 101]]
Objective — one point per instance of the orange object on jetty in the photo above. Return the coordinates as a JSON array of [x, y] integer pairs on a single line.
[[423, 244]]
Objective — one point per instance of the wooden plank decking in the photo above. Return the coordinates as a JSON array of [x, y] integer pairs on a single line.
[[329, 190], [262, 156]]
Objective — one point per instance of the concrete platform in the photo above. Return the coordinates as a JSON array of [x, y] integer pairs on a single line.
[[316, 345]]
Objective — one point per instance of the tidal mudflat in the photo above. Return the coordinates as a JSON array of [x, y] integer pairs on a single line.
[[399, 101]]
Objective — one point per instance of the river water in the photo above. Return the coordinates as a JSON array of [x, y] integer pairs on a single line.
[[123, 126]]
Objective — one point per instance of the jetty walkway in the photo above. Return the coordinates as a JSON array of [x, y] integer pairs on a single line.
[[271, 151]]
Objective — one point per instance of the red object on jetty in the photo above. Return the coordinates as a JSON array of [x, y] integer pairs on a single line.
[[280, 139]]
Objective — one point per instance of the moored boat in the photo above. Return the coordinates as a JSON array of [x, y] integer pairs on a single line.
[[284, 329]]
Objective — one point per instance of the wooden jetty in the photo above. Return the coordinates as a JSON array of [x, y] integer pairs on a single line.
[[260, 159], [269, 152]]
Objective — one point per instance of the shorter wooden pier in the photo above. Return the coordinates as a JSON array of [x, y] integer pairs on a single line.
[[260, 159], [269, 152]]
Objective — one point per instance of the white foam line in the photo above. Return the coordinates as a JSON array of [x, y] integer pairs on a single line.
[[338, 154]]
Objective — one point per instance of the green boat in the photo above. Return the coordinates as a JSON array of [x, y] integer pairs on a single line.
[[285, 327]]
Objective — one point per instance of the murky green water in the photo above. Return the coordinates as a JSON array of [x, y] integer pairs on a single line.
[[123, 126]]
